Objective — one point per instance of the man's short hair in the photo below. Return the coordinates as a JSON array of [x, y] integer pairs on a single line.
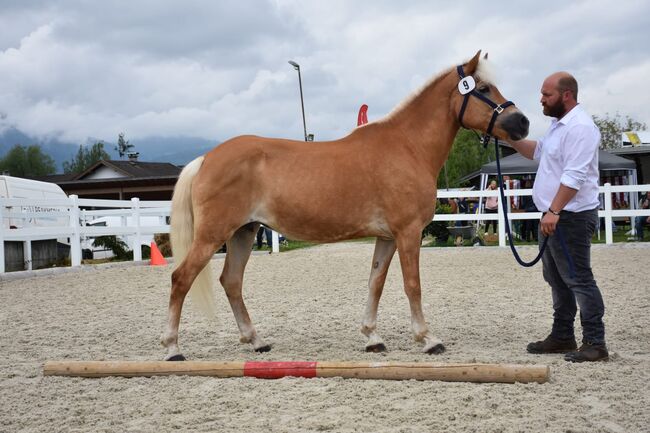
[[568, 83]]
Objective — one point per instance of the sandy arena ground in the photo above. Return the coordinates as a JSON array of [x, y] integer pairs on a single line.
[[308, 305]]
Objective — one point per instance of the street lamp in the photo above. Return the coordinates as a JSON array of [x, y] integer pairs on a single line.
[[296, 66]]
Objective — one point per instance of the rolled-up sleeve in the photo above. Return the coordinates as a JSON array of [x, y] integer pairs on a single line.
[[580, 148]]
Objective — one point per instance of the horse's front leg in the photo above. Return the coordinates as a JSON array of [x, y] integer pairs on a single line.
[[408, 245], [384, 251]]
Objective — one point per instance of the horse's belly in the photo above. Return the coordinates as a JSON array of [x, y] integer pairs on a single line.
[[324, 230]]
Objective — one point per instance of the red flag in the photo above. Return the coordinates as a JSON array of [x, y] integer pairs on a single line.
[[362, 119]]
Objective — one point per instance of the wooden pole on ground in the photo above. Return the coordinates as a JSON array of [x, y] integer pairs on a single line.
[[504, 373]]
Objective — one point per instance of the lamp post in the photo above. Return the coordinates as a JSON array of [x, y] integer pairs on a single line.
[[296, 66]]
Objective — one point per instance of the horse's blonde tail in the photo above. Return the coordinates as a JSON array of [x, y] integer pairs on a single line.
[[181, 232]]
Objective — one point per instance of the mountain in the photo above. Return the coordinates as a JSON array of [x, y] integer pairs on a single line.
[[176, 150]]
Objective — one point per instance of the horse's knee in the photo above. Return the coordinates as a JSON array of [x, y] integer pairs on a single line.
[[231, 283], [412, 287]]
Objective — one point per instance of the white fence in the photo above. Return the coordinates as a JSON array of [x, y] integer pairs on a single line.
[[608, 213], [34, 215], [38, 219]]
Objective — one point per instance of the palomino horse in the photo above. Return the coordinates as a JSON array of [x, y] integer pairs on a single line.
[[379, 181]]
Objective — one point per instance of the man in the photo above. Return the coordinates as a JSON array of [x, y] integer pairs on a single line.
[[492, 206], [566, 191]]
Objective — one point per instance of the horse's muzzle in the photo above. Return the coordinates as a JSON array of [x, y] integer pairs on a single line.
[[516, 125]]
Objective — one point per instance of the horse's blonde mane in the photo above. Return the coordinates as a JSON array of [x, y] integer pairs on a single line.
[[484, 72], [406, 101]]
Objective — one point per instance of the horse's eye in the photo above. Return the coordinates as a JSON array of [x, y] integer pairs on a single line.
[[484, 89]]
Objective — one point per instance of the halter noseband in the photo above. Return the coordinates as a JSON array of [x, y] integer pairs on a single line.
[[498, 109]]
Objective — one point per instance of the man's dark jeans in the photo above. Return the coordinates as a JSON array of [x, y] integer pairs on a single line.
[[571, 279]]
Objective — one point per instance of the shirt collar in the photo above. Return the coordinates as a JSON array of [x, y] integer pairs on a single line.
[[570, 115]]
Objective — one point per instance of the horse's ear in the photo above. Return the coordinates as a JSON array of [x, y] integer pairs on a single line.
[[485, 56], [472, 64]]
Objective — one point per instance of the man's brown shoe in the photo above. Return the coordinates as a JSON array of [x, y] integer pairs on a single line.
[[588, 352], [552, 345]]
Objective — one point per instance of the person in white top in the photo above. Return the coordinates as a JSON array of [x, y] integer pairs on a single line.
[[492, 206], [566, 191]]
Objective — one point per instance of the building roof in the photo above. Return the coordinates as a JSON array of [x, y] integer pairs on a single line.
[[120, 179], [133, 169], [632, 150]]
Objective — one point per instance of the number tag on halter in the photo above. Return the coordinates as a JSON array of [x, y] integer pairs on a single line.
[[466, 85]]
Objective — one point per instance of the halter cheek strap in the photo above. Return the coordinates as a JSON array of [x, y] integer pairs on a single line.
[[497, 108]]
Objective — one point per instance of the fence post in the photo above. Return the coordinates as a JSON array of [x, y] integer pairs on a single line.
[[137, 249], [2, 239], [608, 213], [502, 220], [75, 240], [27, 255], [275, 242]]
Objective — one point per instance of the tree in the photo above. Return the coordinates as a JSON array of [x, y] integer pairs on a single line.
[[611, 128], [27, 161], [123, 146], [85, 158], [466, 156]]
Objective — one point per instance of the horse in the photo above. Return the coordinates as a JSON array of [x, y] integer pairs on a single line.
[[378, 181]]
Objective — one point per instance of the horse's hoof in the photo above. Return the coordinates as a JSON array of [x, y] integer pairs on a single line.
[[178, 357], [265, 348], [437, 349], [376, 348]]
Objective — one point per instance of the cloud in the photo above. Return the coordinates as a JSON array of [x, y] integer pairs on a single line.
[[74, 69]]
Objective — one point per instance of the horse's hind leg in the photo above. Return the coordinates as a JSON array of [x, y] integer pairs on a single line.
[[384, 251], [182, 278], [408, 245], [238, 252]]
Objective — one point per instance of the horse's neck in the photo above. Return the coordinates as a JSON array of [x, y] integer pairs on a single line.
[[428, 124]]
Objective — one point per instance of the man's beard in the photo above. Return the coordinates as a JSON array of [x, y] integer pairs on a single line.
[[556, 110]]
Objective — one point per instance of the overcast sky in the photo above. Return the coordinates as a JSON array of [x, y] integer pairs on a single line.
[[80, 70]]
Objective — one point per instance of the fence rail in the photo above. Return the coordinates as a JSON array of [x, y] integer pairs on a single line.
[[38, 219]]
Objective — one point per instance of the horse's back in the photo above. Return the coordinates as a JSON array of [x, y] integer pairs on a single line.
[[296, 187]]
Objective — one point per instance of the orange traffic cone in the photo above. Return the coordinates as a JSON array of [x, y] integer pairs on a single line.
[[156, 257]]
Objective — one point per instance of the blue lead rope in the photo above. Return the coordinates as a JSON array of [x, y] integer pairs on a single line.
[[511, 241]]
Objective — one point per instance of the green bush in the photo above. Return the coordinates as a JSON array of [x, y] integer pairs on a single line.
[[119, 248]]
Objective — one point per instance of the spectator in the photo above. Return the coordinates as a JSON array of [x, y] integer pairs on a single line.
[[529, 227], [463, 208], [492, 206], [641, 221]]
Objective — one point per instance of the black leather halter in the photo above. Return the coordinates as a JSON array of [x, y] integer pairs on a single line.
[[498, 109]]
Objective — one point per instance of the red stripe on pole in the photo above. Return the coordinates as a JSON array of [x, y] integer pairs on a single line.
[[276, 370]]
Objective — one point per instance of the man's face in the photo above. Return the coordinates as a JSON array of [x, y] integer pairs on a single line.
[[552, 100]]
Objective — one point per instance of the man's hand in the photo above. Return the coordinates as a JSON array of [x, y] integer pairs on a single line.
[[549, 222]]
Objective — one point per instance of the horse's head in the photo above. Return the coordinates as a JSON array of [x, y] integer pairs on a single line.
[[479, 104]]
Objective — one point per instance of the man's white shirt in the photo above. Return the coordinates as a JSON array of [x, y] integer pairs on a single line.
[[568, 154]]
